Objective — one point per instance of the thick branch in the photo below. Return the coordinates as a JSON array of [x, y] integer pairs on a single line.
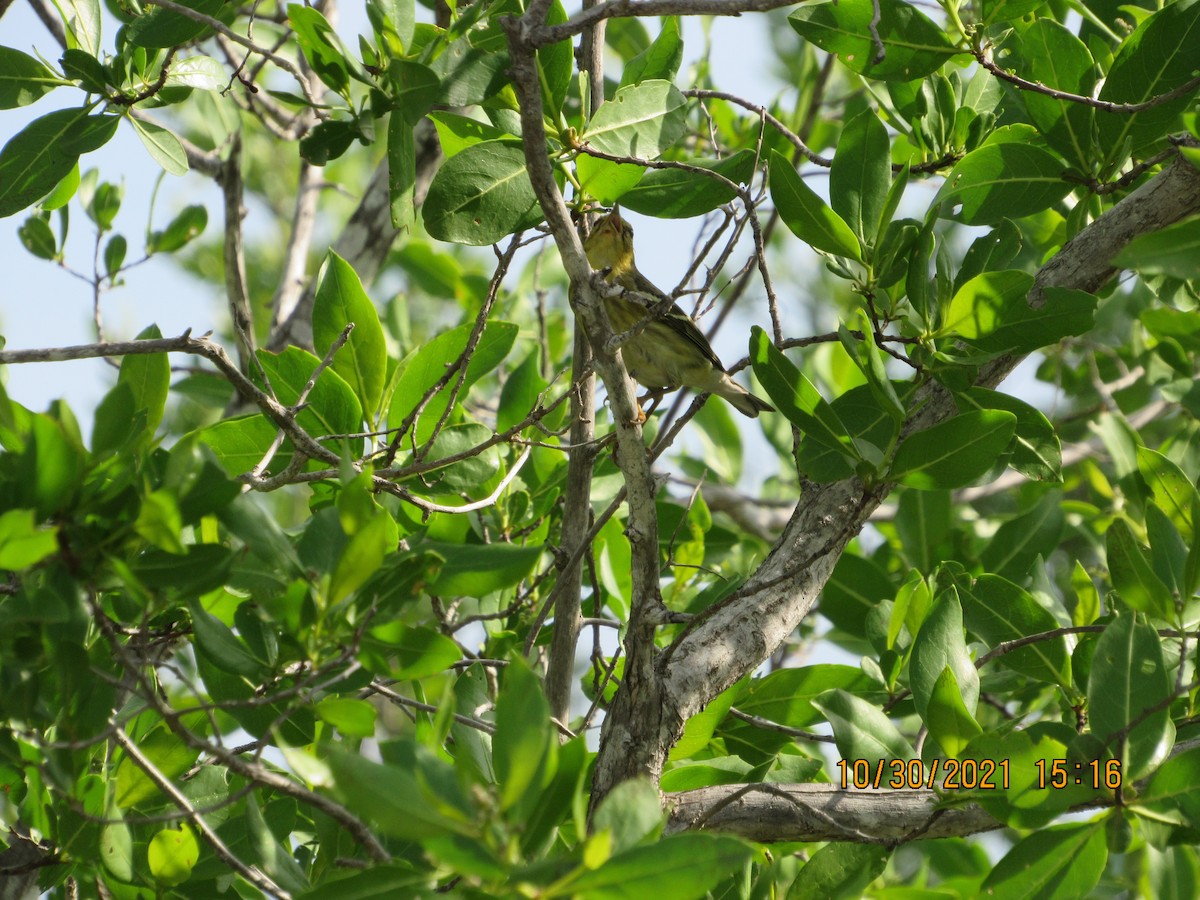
[[577, 507], [822, 812], [647, 609]]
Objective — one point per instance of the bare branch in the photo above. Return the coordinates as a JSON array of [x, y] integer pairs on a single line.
[[539, 35], [984, 56], [220, 28]]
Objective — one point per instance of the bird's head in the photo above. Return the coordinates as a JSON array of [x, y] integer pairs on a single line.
[[610, 245]]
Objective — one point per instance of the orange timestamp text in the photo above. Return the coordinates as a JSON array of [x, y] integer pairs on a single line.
[[976, 774], [913, 774]]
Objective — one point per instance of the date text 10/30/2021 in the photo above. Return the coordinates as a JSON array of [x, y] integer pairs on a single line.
[[975, 774]]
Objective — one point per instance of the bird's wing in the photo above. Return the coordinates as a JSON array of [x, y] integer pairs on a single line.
[[679, 320]]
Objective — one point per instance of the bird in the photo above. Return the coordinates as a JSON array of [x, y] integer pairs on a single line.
[[670, 351]]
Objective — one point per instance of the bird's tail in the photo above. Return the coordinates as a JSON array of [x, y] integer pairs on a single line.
[[741, 399]]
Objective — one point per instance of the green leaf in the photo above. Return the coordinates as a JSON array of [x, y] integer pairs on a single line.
[[953, 453], [430, 363], [861, 175], [22, 543], [1174, 789], [38, 238], [519, 394], [81, 66], [329, 140], [394, 20], [23, 79], [806, 214], [1171, 489], [785, 696], [660, 60], [353, 718], [1173, 251], [680, 194], [1037, 451], [173, 853], [116, 845], [415, 89], [1023, 539], [403, 652], [63, 192], [1157, 58], [103, 202], [840, 869], [480, 195], [320, 45], [363, 555], [988, 253], [796, 397], [82, 18], [640, 120], [913, 45], [521, 744], [169, 755], [1058, 863], [1128, 683], [456, 133], [202, 568], [39, 156], [187, 225], [605, 180], [995, 11], [331, 407], [857, 586], [114, 255], [158, 521], [1134, 579], [163, 28], [469, 75], [478, 570], [632, 812], [556, 62], [869, 358], [148, 376], [402, 172], [698, 730], [162, 144], [1005, 179], [239, 444], [627, 37], [469, 475], [950, 723], [682, 867], [997, 610], [922, 524], [402, 798], [200, 72], [992, 312], [940, 644], [223, 648], [1050, 54], [861, 730], [362, 360]]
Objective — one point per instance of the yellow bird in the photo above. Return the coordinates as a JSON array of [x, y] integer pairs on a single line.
[[670, 352]]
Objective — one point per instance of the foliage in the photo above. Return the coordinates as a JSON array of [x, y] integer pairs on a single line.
[[282, 623]]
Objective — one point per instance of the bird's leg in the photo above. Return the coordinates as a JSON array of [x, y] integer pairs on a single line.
[[654, 396]]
